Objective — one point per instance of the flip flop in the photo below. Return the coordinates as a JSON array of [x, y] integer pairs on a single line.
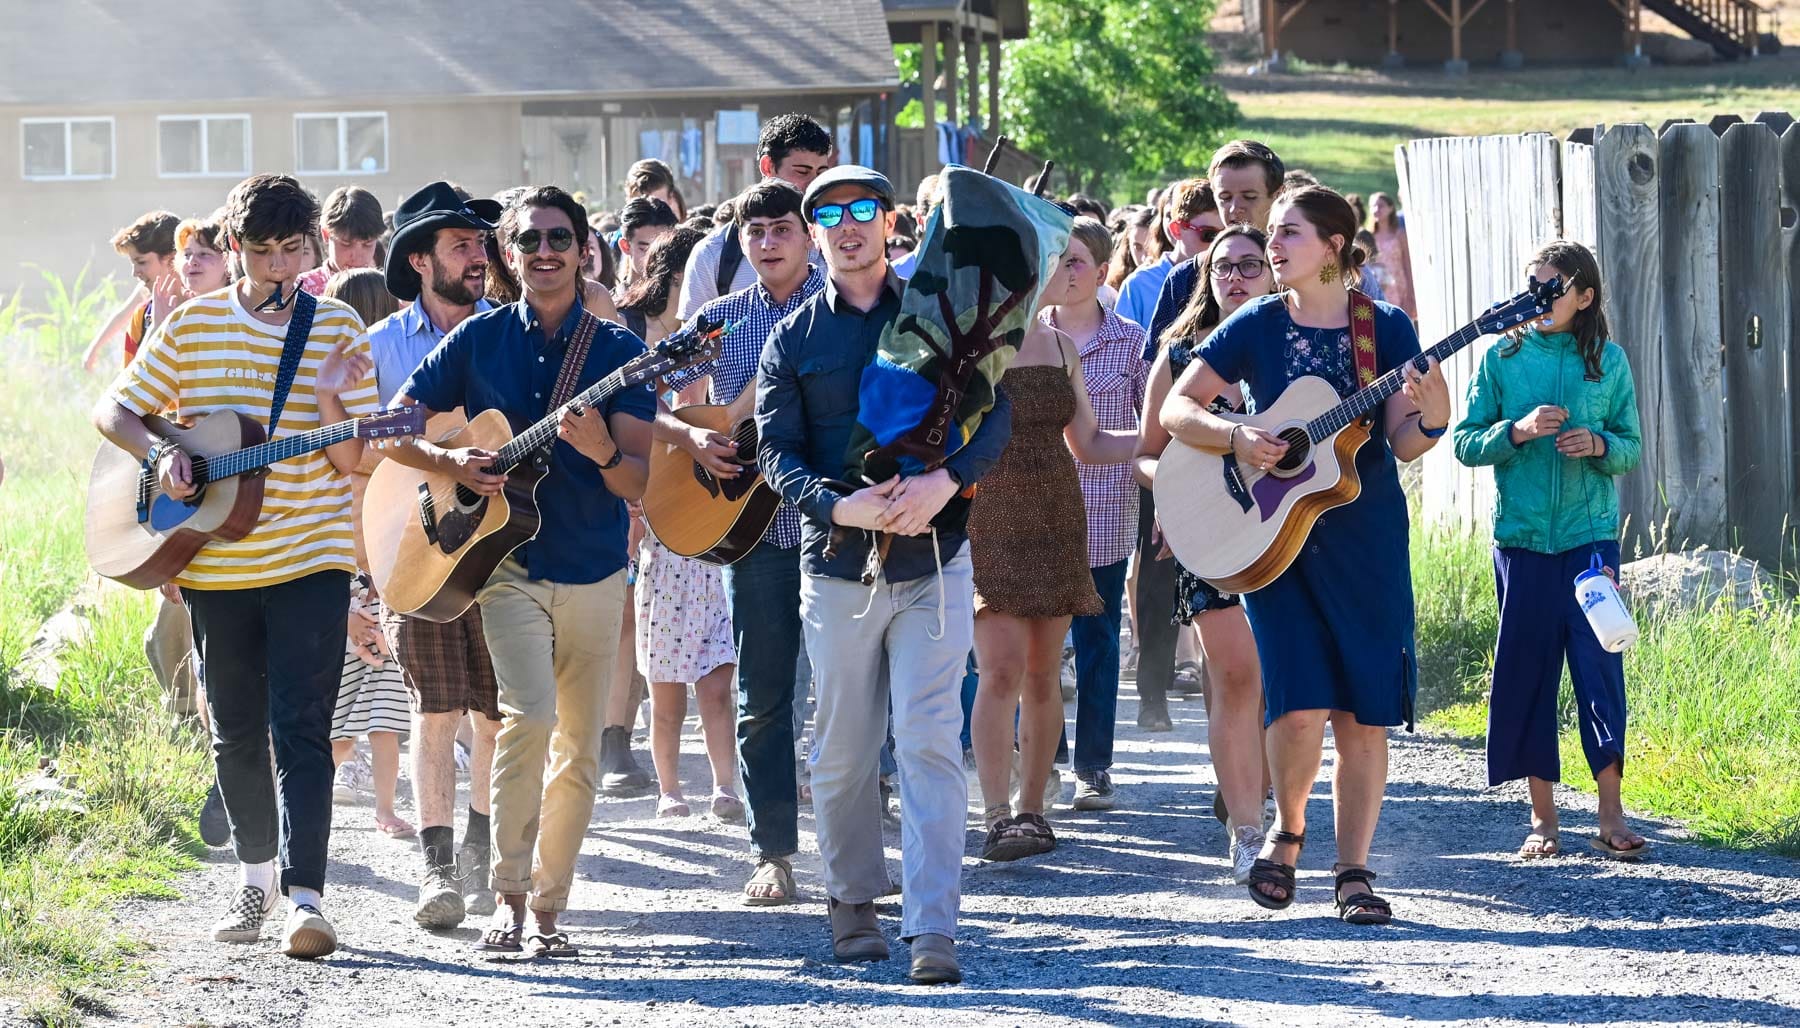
[[501, 939], [554, 945], [398, 828], [1547, 846], [1630, 856]]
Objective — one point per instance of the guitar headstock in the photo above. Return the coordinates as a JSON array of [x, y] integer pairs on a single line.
[[1529, 305], [392, 425], [683, 347]]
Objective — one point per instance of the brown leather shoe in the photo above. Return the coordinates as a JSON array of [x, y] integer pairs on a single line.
[[934, 960], [855, 933]]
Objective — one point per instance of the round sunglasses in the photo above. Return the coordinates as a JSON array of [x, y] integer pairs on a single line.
[[831, 215], [531, 240]]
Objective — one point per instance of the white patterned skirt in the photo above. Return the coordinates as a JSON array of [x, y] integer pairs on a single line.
[[370, 699], [683, 623]]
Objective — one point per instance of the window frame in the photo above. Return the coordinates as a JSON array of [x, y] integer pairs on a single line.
[[205, 155], [68, 123], [343, 129]]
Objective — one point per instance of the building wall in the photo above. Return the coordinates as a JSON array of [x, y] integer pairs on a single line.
[[1549, 31], [64, 225]]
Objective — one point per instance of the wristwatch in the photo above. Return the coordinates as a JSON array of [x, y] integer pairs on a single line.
[[618, 455]]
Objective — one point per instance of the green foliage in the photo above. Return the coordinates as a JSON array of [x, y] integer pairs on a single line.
[[1710, 694], [1110, 89], [127, 779]]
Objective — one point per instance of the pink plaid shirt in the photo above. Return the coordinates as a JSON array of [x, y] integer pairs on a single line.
[[1113, 365]]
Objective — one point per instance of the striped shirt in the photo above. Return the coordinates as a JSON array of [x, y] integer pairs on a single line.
[[752, 312], [211, 355], [1113, 366]]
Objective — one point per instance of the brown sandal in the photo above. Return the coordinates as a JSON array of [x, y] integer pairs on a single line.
[[502, 940], [1012, 838], [775, 876]]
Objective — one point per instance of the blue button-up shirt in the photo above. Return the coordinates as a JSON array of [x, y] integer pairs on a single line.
[[1137, 297], [504, 360], [806, 407], [752, 313], [401, 340]]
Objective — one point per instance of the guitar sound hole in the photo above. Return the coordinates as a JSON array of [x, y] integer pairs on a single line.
[[466, 497], [1299, 451]]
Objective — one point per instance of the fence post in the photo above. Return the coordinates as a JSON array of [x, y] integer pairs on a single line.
[[1790, 255], [1754, 319], [1625, 186], [1693, 393]]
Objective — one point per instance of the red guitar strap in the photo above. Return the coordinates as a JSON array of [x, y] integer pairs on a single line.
[[1362, 337], [573, 359]]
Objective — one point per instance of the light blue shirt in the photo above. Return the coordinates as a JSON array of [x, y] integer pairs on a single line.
[[400, 342], [1137, 297]]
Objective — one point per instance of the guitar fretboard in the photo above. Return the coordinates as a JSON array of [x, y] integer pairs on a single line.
[[238, 462], [1376, 393], [540, 435]]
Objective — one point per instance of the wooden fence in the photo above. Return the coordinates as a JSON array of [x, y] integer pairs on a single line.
[[1696, 231]]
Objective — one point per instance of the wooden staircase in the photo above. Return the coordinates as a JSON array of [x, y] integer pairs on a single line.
[[1731, 26]]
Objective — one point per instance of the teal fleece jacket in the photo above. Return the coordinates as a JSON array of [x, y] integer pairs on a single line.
[[1549, 503]]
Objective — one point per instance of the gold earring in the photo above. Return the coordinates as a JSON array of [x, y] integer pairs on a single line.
[[1329, 273]]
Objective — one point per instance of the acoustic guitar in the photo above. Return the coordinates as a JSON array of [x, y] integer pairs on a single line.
[[433, 543], [1240, 527], [140, 536], [697, 514]]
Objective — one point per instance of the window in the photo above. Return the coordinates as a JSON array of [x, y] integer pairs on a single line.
[[204, 144], [66, 148], [341, 144]]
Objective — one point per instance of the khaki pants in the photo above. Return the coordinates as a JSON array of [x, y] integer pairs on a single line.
[[553, 648]]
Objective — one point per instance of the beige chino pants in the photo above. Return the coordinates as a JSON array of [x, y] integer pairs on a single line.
[[553, 646]]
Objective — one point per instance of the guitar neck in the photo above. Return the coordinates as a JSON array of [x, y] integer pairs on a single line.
[[1376, 393], [543, 433], [253, 458]]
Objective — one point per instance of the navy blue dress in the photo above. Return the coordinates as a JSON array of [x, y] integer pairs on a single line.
[[1335, 631]]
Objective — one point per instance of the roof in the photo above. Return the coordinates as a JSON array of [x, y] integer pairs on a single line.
[[226, 50]]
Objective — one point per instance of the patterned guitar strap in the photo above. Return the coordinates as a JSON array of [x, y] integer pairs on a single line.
[[1362, 338], [573, 360]]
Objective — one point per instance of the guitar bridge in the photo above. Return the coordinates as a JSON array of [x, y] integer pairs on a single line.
[[1234, 483], [427, 513]]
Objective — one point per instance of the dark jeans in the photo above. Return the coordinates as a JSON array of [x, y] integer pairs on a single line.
[[1153, 604], [274, 656], [971, 683], [1097, 671], [763, 590]]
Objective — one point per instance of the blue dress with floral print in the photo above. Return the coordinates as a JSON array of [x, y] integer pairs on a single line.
[[1335, 630]]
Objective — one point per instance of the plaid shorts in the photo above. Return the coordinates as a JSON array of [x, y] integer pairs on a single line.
[[446, 666]]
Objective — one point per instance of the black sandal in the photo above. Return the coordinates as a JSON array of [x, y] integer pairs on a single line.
[[1364, 907], [1273, 872], [1012, 838]]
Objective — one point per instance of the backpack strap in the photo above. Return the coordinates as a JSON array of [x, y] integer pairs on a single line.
[[298, 329], [731, 257]]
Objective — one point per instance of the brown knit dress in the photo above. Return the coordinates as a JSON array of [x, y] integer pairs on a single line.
[[1028, 523]]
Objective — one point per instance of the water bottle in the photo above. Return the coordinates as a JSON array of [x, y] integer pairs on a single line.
[[1606, 613]]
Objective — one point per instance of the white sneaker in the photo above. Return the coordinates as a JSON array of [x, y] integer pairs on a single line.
[[243, 920], [1246, 846], [351, 781], [1268, 818], [307, 934]]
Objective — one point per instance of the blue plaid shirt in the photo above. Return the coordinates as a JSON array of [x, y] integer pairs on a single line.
[[752, 313]]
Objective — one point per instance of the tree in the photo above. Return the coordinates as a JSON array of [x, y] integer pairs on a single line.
[[1115, 88]]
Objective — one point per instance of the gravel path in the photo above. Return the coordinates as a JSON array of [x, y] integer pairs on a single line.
[[1131, 921]]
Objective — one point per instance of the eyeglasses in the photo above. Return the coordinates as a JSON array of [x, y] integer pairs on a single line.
[[832, 214], [1207, 233], [530, 240], [1248, 268]]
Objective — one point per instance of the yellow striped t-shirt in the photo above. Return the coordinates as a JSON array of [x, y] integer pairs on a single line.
[[211, 355]]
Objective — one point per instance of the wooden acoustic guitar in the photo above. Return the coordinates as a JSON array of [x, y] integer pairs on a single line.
[[138, 535], [1240, 527], [433, 543], [697, 514]]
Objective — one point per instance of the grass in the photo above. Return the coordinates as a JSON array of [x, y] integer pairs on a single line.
[[1711, 695], [1343, 124], [128, 778]]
